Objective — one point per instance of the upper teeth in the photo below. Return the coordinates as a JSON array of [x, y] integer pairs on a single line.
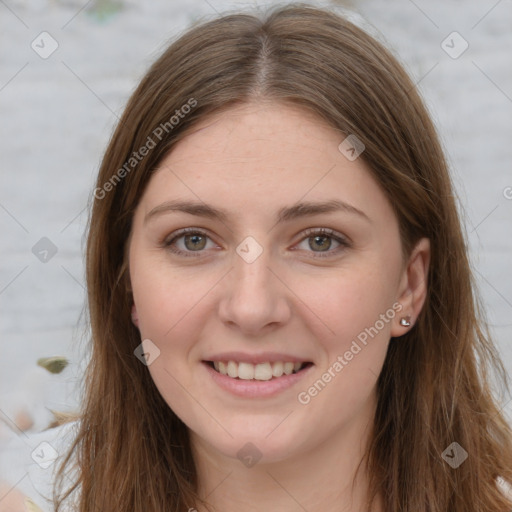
[[261, 371]]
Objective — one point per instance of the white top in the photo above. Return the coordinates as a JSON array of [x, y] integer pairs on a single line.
[[29, 462]]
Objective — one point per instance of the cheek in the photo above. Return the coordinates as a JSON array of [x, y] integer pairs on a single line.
[[163, 298], [169, 308], [345, 381], [350, 303], [356, 312]]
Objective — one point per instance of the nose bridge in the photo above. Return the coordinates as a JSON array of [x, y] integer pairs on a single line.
[[253, 274], [251, 263], [254, 297]]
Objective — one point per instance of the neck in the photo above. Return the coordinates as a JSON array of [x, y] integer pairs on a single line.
[[325, 479]]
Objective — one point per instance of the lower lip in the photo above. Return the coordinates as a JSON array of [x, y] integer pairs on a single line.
[[256, 388]]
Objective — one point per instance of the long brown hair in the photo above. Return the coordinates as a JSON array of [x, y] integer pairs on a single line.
[[131, 452]]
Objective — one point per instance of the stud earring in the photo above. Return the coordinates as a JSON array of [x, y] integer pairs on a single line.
[[405, 321]]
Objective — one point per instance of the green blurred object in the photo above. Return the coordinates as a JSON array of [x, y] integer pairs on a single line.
[[53, 364], [103, 10]]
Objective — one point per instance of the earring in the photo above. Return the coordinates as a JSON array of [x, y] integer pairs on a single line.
[[405, 321]]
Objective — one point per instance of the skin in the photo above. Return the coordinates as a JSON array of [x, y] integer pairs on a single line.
[[12, 500], [253, 160]]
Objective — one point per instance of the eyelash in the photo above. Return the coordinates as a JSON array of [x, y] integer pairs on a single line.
[[309, 233]]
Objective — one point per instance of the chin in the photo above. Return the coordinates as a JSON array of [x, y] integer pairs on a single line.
[[258, 444]]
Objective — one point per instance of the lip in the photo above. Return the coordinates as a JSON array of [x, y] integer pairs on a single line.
[[262, 357], [256, 388]]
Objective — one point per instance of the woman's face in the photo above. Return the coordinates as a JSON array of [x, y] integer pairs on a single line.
[[291, 259]]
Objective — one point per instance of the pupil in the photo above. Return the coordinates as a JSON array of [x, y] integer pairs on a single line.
[[194, 239], [325, 238]]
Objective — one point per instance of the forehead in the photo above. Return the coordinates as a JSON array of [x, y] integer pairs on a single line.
[[256, 130], [261, 156]]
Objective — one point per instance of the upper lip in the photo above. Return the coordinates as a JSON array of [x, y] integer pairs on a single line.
[[262, 357]]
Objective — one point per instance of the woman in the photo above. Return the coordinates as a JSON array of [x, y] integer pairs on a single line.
[[282, 309]]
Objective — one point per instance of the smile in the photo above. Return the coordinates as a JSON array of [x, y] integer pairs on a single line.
[[262, 371]]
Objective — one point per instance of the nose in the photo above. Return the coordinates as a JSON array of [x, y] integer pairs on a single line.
[[254, 298]]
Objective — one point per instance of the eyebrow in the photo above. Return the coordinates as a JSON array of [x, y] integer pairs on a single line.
[[288, 213]]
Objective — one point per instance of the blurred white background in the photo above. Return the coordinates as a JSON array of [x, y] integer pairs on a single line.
[[57, 114]]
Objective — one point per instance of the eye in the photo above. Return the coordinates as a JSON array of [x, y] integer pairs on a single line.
[[193, 241], [319, 241], [322, 239]]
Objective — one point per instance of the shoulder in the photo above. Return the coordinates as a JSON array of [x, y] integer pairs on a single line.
[[505, 487], [30, 461]]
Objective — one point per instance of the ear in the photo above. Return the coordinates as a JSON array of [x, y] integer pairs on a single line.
[[413, 287], [135, 317]]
